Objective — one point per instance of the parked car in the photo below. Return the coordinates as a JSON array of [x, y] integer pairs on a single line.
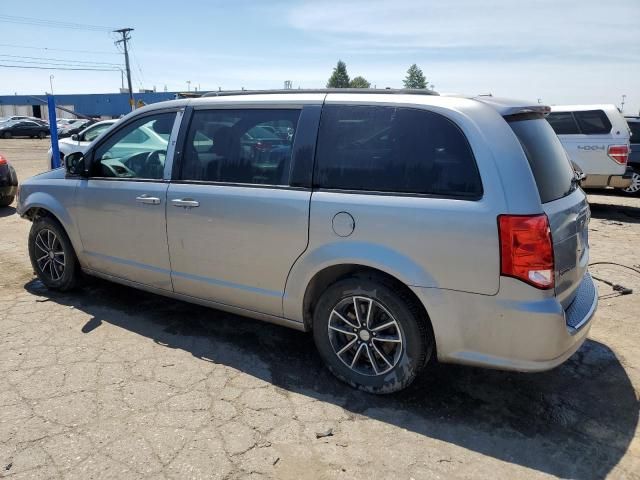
[[63, 122], [21, 117], [634, 156], [8, 182], [457, 230], [74, 127], [596, 138], [143, 140], [23, 128]]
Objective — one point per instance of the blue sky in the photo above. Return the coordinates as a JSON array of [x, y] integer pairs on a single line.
[[561, 51]]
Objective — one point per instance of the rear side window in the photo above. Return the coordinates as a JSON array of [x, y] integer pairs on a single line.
[[240, 146], [563, 123], [549, 163], [593, 122], [389, 149]]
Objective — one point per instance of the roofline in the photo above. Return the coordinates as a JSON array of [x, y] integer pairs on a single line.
[[395, 91]]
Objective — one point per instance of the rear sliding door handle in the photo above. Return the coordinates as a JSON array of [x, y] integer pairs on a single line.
[[147, 199], [185, 202]]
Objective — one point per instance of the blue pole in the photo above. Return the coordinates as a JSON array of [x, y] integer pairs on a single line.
[[55, 153]]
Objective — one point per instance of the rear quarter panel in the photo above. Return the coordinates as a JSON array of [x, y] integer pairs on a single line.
[[427, 242]]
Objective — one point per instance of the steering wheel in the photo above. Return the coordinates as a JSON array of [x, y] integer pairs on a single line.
[[154, 156], [153, 165]]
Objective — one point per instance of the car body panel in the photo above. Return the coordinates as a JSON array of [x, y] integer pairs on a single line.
[[237, 247], [121, 236], [255, 249]]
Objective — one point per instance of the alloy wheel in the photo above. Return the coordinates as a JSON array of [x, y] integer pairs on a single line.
[[365, 336], [635, 184], [50, 256]]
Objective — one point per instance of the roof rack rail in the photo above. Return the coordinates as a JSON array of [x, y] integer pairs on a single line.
[[406, 91]]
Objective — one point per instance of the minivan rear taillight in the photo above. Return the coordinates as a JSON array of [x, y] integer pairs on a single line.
[[526, 249], [618, 153]]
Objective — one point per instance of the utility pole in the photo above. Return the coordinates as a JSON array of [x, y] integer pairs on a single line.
[[622, 104], [125, 36]]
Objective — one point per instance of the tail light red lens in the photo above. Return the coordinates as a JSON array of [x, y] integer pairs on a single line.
[[526, 249], [619, 153], [3, 161]]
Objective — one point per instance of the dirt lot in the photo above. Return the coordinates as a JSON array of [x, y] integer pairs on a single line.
[[110, 382]]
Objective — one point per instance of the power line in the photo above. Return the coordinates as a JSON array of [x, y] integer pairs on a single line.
[[52, 23], [56, 60], [57, 49], [141, 78], [62, 68], [56, 64]]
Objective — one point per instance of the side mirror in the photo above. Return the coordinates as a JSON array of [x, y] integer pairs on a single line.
[[75, 163], [75, 137]]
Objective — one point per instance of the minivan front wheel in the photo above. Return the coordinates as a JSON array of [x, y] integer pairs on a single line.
[[371, 335], [52, 256]]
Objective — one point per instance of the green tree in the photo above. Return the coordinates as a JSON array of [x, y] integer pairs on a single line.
[[359, 82], [415, 78], [339, 78]]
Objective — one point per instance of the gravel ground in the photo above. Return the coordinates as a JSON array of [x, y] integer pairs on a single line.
[[111, 382]]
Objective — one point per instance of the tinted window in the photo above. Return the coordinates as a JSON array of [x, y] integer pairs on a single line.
[[136, 150], [549, 162], [563, 123], [240, 146], [635, 132], [593, 122], [389, 149], [93, 132]]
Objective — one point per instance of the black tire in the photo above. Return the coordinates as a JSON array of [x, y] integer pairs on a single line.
[[6, 135], [413, 329], [42, 135], [6, 201], [51, 274], [633, 189]]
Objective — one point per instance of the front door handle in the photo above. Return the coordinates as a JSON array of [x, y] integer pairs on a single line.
[[147, 199], [185, 202]]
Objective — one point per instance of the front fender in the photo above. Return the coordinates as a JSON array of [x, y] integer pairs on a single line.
[[366, 254], [52, 204]]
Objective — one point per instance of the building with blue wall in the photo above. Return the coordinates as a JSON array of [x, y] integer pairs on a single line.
[[111, 105]]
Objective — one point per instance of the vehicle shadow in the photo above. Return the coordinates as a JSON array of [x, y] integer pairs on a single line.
[[576, 421], [613, 212], [7, 211]]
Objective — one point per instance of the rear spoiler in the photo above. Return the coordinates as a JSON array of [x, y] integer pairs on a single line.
[[508, 107]]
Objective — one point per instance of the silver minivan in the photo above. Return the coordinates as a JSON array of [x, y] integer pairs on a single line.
[[397, 226]]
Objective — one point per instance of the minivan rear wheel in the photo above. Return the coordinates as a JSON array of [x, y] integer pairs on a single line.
[[52, 255], [371, 335]]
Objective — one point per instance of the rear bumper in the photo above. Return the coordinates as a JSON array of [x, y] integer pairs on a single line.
[[8, 181], [603, 181], [509, 331], [8, 191]]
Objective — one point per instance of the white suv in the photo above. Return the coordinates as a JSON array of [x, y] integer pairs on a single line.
[[596, 138]]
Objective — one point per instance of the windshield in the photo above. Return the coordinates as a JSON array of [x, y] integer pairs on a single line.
[[549, 163]]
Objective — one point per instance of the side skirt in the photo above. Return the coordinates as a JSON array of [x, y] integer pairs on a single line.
[[285, 322]]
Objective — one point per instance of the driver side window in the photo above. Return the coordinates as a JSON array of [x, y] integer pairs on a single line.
[[136, 151]]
